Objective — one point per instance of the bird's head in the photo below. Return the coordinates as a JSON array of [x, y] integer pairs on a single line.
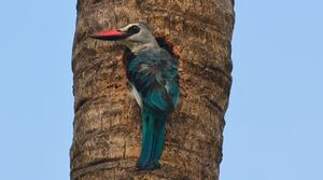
[[135, 36]]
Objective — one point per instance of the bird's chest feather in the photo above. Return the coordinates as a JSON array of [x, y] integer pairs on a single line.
[[144, 68]]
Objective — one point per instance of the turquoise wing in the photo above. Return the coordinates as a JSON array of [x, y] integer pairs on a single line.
[[155, 76]]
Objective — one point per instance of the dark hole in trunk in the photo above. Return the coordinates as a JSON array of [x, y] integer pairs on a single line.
[[162, 42]]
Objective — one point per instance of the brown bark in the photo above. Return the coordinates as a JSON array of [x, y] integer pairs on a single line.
[[106, 141]]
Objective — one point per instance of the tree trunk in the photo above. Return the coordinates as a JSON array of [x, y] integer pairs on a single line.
[[106, 141]]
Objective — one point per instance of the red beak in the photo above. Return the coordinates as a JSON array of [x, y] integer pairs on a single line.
[[110, 35]]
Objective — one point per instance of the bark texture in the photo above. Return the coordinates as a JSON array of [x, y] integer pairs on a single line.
[[106, 141]]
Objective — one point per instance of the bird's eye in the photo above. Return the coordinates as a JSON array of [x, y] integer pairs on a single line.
[[133, 30]]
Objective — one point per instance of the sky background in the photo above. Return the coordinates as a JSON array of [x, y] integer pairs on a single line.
[[274, 121]]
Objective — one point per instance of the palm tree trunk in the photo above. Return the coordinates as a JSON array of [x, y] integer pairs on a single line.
[[106, 141]]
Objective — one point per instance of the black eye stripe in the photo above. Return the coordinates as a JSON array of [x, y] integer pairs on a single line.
[[133, 30]]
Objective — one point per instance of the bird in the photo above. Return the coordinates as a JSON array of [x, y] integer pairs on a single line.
[[153, 76]]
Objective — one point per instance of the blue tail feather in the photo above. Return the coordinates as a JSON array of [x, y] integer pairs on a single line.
[[160, 137], [153, 137]]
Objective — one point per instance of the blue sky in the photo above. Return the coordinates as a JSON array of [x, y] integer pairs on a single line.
[[274, 122]]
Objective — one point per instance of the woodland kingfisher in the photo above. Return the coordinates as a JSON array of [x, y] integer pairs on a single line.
[[154, 79]]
